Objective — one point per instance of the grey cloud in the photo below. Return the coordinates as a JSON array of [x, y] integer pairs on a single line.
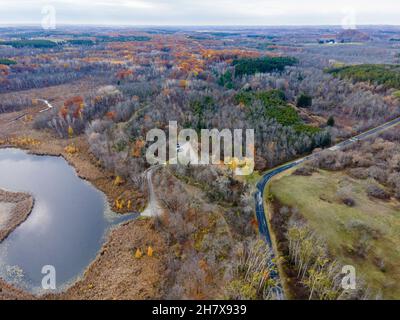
[[202, 12]]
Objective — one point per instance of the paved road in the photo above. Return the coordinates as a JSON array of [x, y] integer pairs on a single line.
[[260, 212]]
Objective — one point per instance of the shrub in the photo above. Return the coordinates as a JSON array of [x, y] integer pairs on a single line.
[[331, 121], [378, 174], [304, 171], [396, 94], [344, 195], [358, 173], [306, 129], [377, 192], [284, 115], [304, 101], [349, 202], [226, 80], [332, 160], [363, 234]]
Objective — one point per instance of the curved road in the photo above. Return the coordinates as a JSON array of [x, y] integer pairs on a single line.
[[263, 226], [154, 209]]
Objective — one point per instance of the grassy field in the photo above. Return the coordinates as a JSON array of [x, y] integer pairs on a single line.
[[366, 235]]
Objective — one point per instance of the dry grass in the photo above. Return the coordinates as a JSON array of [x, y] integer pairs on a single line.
[[366, 235]]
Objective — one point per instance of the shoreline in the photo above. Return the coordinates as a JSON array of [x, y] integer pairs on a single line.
[[22, 207], [84, 168], [115, 273], [15, 208], [138, 231]]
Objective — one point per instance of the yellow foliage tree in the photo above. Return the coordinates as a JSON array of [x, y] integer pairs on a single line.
[[234, 164], [150, 251], [137, 148], [183, 84], [119, 204], [118, 181], [71, 149], [138, 253], [70, 132]]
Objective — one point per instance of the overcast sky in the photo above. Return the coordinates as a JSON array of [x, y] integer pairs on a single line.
[[204, 12]]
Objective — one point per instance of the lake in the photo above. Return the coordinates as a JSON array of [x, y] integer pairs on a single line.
[[66, 227]]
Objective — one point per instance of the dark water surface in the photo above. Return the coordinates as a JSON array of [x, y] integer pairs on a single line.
[[66, 227]]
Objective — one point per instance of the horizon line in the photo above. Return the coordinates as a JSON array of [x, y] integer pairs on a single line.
[[68, 24]]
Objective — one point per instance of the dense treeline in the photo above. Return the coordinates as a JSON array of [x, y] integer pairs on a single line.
[[39, 43], [7, 62], [386, 75], [121, 38], [30, 43], [262, 65], [81, 42]]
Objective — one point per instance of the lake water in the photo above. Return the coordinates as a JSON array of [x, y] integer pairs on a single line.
[[66, 228]]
